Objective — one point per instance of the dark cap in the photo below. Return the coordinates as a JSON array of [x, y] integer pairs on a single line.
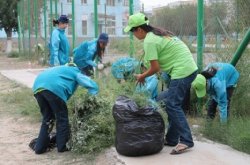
[[103, 37], [63, 19]]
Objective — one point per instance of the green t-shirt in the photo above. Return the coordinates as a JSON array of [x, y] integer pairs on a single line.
[[172, 54]]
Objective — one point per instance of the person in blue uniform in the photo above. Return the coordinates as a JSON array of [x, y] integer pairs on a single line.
[[59, 44], [218, 80], [86, 53], [125, 67], [52, 88]]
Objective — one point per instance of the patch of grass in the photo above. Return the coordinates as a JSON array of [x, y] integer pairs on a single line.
[[13, 54], [22, 102], [235, 133]]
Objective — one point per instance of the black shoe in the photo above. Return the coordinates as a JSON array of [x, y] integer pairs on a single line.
[[32, 144]]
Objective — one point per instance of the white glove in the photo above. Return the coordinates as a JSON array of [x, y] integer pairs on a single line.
[[100, 66]]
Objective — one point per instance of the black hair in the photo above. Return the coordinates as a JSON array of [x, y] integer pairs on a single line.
[[55, 22], [99, 50], [209, 73], [157, 31]]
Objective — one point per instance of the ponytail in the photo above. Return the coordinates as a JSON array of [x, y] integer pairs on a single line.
[[157, 31], [55, 22]]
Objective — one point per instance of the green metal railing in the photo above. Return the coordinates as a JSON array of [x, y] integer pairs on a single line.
[[241, 48]]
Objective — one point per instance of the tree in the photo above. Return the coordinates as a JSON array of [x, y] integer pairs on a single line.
[[8, 20]]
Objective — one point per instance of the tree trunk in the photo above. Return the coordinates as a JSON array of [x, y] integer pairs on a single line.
[[9, 40]]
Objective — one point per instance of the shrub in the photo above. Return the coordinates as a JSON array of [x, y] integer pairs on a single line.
[[13, 54]]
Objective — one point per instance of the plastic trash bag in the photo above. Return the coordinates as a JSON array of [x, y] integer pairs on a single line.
[[138, 131]]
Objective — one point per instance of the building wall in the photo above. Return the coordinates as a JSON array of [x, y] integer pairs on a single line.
[[117, 15]]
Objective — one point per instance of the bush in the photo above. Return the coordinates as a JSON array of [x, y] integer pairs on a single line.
[[92, 127], [235, 133], [13, 54]]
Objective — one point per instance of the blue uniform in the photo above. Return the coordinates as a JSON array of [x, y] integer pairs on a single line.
[[63, 81], [129, 65], [124, 65], [85, 53], [226, 76], [150, 86], [59, 48]]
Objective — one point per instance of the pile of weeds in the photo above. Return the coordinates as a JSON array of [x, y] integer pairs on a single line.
[[92, 124]]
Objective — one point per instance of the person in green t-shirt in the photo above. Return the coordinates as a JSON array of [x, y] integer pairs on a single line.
[[165, 52]]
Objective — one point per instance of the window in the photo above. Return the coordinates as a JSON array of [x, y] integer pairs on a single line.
[[125, 2], [84, 1], [124, 24], [84, 27], [69, 1], [111, 26], [110, 2]]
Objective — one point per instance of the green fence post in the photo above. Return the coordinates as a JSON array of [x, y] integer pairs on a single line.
[[73, 23], [23, 30], [36, 23], [96, 29], [45, 26], [29, 26], [131, 11], [51, 17], [56, 14], [241, 48], [200, 25], [96, 18], [19, 26]]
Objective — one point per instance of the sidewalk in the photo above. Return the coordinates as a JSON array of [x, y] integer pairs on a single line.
[[204, 152]]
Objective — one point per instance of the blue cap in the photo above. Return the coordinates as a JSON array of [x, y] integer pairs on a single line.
[[103, 37], [63, 19]]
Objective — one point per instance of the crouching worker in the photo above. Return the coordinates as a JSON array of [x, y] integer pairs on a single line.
[[125, 67], [219, 81], [52, 88], [88, 51]]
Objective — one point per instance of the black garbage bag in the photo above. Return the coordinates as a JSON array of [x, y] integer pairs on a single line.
[[139, 131]]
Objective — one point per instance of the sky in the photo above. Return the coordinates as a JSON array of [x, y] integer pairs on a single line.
[[148, 4]]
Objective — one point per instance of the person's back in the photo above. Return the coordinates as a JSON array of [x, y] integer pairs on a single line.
[[84, 54], [63, 81], [173, 55], [225, 73]]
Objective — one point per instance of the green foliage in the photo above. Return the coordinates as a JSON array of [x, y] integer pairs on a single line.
[[122, 45], [240, 101], [8, 16], [180, 20], [240, 19], [22, 102], [92, 125], [13, 54], [235, 133]]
